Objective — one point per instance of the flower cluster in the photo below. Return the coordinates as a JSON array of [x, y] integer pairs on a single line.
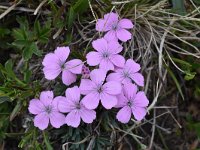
[[114, 81]]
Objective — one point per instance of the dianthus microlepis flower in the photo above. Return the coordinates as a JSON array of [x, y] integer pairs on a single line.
[[46, 109], [106, 55], [117, 28], [127, 74], [96, 90], [55, 63], [131, 102], [85, 72], [72, 105]]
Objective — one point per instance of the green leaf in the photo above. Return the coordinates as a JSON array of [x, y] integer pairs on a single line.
[[19, 34], [44, 35], [21, 43], [47, 143], [78, 8], [27, 52], [182, 62], [23, 22], [178, 7], [37, 27], [4, 99], [36, 51], [197, 1], [81, 6], [9, 69], [71, 17], [189, 75], [16, 110], [4, 31], [196, 128], [25, 140], [175, 81], [41, 33], [27, 76]]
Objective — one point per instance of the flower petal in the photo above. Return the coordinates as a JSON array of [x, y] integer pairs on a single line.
[[132, 66], [68, 77], [138, 78], [57, 119], [112, 87], [35, 106], [86, 86], [51, 72], [87, 115], [114, 47], [111, 17], [130, 90], [98, 75], [56, 101], [100, 44], [123, 35], [50, 60], [73, 119], [108, 101], [74, 66], [121, 101], [118, 60], [52, 66], [139, 112], [126, 80], [93, 58], [73, 94], [102, 25], [41, 121], [106, 65], [46, 97], [141, 100], [111, 36], [64, 105], [91, 100], [62, 53], [114, 77], [125, 23], [124, 115]]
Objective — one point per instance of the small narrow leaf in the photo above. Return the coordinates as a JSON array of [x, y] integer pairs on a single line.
[[4, 99], [9, 69], [15, 110], [35, 49], [179, 7], [175, 81], [27, 52], [47, 143]]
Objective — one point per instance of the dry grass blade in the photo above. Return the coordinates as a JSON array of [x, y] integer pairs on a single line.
[[10, 9]]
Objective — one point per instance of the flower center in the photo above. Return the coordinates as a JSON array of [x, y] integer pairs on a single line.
[[105, 55], [62, 66], [48, 109], [114, 26], [78, 106], [126, 74], [99, 89], [129, 103]]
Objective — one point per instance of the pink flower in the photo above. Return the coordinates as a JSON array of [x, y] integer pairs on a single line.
[[107, 54], [128, 73], [85, 72], [131, 101], [116, 27], [46, 109], [72, 105], [55, 63], [95, 90]]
